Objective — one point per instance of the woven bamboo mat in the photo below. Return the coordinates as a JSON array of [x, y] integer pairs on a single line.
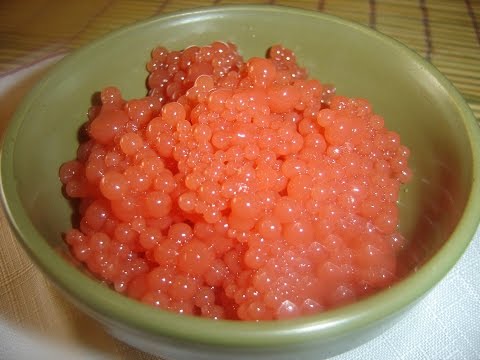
[[446, 32]]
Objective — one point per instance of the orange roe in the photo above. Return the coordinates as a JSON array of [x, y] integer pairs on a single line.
[[237, 190]]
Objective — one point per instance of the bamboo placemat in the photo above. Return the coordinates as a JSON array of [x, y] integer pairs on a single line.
[[446, 32]]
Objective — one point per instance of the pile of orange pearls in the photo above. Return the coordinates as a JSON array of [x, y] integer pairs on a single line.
[[237, 190]]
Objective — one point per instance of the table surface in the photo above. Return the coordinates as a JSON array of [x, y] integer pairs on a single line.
[[34, 34]]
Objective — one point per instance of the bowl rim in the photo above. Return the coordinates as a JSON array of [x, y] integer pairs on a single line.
[[111, 306]]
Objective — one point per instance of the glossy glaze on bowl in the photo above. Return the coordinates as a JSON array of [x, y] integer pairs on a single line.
[[442, 202]]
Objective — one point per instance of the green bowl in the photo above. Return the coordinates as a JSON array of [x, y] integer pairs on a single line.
[[440, 208]]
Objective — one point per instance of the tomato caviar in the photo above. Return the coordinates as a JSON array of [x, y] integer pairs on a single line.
[[237, 190]]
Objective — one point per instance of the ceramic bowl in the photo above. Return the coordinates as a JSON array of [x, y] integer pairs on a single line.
[[440, 208]]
